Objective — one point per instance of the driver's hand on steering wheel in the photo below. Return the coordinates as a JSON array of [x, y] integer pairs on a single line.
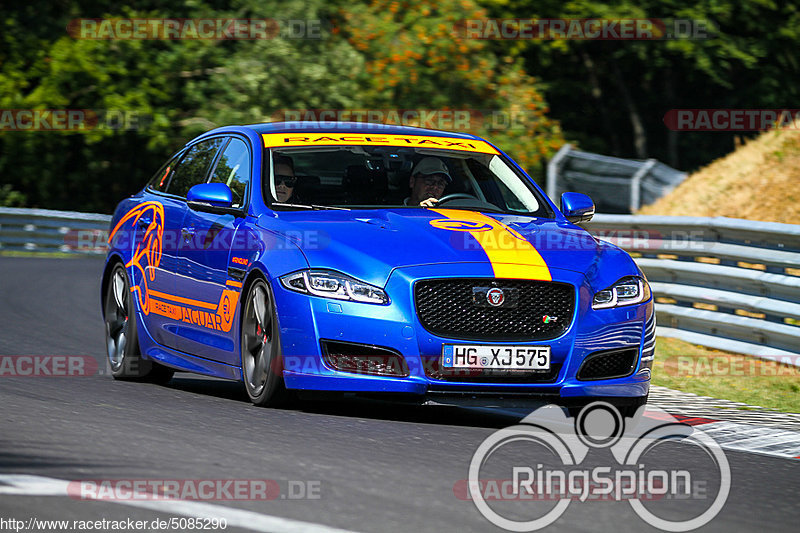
[[430, 202]]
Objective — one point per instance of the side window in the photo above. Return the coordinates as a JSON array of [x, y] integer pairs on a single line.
[[160, 180], [233, 169], [193, 168]]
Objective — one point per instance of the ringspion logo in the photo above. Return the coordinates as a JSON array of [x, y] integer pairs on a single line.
[[548, 458]]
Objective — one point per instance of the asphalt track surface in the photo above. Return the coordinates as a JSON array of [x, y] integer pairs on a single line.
[[375, 466]]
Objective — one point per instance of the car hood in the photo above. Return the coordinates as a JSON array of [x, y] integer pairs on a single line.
[[370, 244]]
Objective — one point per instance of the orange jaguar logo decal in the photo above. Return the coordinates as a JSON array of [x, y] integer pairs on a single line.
[[149, 247], [149, 216]]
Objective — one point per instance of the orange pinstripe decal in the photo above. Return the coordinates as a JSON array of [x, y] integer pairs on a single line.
[[181, 300]]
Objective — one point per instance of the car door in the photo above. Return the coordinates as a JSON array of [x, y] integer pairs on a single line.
[[208, 330], [166, 201]]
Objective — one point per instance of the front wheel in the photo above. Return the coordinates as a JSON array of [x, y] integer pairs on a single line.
[[262, 371], [122, 342]]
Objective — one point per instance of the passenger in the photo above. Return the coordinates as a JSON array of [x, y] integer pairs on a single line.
[[285, 180]]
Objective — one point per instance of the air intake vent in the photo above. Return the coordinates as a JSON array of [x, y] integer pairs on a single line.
[[363, 359], [609, 364]]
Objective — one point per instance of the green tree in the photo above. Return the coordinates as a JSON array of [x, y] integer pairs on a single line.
[[176, 89], [417, 57], [611, 96]]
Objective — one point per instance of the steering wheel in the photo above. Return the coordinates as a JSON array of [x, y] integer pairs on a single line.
[[456, 195]]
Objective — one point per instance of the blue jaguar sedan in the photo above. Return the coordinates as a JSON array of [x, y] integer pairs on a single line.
[[370, 259]]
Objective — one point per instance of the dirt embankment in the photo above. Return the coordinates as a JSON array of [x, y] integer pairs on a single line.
[[760, 180]]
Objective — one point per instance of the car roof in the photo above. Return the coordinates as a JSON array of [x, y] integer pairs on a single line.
[[342, 127]]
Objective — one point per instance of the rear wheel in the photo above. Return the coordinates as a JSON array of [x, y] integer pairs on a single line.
[[262, 371], [122, 342]]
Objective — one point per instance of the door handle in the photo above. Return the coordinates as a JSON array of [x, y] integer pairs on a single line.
[[144, 222], [187, 234]]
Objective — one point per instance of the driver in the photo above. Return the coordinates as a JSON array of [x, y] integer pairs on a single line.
[[428, 181]]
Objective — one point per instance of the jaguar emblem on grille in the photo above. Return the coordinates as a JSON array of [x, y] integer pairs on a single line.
[[495, 297], [504, 297]]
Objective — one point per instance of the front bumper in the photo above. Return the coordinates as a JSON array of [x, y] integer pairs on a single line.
[[305, 321]]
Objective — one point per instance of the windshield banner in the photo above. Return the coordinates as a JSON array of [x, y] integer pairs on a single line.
[[276, 140]]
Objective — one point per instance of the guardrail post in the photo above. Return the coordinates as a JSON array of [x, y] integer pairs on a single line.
[[553, 170], [636, 184]]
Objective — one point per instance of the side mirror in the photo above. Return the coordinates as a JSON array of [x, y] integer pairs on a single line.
[[577, 207], [212, 198]]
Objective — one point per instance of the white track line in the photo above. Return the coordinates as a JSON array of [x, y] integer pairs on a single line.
[[27, 485]]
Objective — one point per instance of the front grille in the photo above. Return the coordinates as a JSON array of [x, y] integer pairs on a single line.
[[434, 370], [539, 310], [363, 359], [609, 364]]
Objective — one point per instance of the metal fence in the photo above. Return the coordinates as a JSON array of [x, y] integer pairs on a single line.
[[725, 283], [616, 185], [43, 230]]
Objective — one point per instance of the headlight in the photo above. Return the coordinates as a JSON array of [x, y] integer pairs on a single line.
[[329, 284], [627, 291]]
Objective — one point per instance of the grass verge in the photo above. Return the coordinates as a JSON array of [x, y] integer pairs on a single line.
[[708, 372]]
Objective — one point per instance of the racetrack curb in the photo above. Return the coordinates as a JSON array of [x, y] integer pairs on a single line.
[[734, 425]]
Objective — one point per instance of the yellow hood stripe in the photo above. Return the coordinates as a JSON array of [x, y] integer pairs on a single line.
[[510, 254]]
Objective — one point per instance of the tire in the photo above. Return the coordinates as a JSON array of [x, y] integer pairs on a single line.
[[122, 340], [262, 370]]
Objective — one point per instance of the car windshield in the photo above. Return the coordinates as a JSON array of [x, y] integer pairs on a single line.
[[369, 177]]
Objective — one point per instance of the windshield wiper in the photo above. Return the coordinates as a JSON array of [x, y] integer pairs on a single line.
[[491, 209], [315, 206], [301, 206], [311, 206]]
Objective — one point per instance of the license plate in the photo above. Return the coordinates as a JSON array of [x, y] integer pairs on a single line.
[[493, 356]]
